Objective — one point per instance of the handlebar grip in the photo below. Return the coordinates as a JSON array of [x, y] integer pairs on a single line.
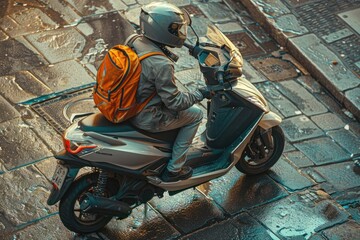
[[220, 77]]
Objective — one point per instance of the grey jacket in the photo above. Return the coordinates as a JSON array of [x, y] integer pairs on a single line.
[[158, 75]]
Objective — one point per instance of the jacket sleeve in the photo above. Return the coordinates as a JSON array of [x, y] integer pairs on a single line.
[[170, 94]]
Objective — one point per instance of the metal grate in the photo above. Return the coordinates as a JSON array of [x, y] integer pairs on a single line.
[[59, 111], [247, 46]]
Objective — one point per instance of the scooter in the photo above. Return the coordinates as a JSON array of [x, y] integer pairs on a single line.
[[127, 162]]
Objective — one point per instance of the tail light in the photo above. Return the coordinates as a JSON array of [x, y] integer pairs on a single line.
[[76, 148]]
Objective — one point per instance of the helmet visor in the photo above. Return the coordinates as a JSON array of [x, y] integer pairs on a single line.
[[183, 30]]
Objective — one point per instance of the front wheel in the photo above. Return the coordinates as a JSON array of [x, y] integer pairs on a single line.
[[260, 155]]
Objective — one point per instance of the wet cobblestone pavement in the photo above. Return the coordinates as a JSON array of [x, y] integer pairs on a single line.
[[302, 55]]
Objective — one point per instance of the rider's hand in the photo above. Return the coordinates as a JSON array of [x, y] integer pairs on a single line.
[[205, 91]]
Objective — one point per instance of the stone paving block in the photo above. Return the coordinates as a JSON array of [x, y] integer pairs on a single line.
[[338, 35], [285, 107], [302, 99], [20, 145], [258, 33], [47, 167], [230, 27], [217, 12], [290, 25], [235, 192], [64, 15], [352, 18], [58, 45], [322, 151], [63, 76], [26, 195], [6, 228], [18, 23], [342, 176], [200, 24], [22, 86], [251, 74], [352, 101], [299, 215], [141, 225], [272, 8], [299, 159], [8, 112], [348, 230], [325, 61], [88, 7], [108, 30], [17, 57], [285, 174], [328, 121], [288, 147], [188, 210], [242, 227], [3, 36], [300, 128], [47, 228], [44, 130], [347, 140]]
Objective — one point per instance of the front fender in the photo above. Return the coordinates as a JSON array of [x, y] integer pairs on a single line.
[[269, 120]]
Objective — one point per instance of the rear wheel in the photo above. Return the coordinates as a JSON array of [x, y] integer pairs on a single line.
[[258, 157], [69, 210]]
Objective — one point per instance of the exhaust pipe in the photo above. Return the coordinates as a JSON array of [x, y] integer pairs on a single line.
[[105, 206]]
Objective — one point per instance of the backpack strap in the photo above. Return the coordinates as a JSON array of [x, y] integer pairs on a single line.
[[151, 54], [131, 39]]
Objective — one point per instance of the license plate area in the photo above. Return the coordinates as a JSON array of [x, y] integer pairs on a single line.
[[59, 176]]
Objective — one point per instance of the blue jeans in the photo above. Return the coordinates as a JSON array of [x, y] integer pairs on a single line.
[[159, 119]]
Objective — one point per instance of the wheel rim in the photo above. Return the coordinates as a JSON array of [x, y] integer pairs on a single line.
[[86, 218], [253, 157]]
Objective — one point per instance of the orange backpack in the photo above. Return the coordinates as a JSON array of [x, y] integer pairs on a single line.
[[117, 81]]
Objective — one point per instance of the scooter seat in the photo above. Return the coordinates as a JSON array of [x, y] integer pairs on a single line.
[[98, 123]]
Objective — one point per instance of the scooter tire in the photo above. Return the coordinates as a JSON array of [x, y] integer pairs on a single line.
[[279, 142], [67, 204]]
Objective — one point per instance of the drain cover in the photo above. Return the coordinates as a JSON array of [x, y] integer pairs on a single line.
[[193, 10], [247, 46], [61, 111], [275, 69]]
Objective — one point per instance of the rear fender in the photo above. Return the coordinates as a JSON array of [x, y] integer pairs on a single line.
[[56, 194]]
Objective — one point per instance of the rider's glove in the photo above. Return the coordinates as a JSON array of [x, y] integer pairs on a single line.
[[205, 91]]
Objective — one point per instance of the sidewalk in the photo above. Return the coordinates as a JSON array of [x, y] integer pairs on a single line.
[[48, 65], [323, 35]]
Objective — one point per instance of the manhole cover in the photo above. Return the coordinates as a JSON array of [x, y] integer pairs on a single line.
[[59, 112], [275, 69], [193, 10], [247, 46]]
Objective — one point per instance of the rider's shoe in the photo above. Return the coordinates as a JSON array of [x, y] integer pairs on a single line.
[[183, 174]]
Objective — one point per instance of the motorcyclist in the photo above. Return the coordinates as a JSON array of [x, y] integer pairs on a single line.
[[165, 25]]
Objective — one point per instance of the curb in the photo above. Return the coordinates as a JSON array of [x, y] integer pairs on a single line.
[[349, 98]]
